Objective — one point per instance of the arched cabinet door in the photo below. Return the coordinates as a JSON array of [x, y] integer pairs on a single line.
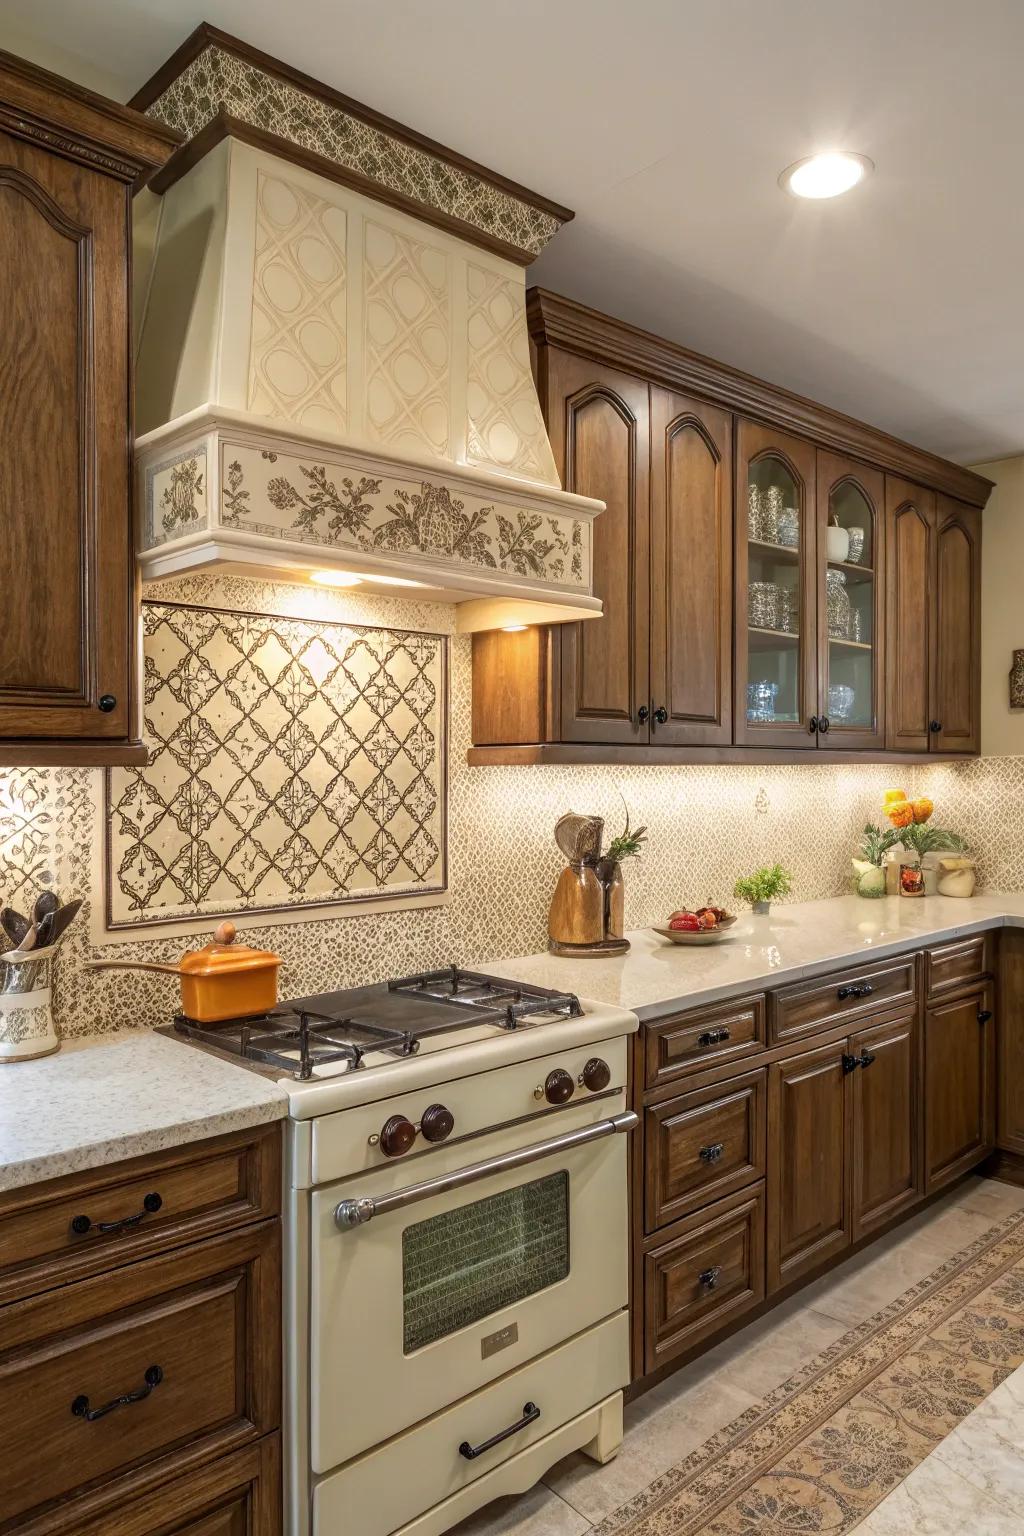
[[776, 682], [691, 572], [910, 617], [851, 604], [603, 449], [957, 678]]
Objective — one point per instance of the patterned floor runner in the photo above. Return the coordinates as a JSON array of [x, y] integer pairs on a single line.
[[818, 1453]]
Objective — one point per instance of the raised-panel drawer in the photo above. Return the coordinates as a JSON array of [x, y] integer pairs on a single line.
[[958, 964], [707, 1275], [841, 997], [171, 1357], [702, 1146], [703, 1037], [55, 1233]]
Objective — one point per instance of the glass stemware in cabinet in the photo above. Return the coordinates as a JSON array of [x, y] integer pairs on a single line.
[[850, 607], [773, 593]]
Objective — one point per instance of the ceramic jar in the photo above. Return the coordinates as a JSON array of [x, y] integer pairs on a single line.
[[956, 877], [837, 543], [26, 1019]]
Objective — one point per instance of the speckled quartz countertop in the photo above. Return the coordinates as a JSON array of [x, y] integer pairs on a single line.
[[108, 1097], [801, 939]]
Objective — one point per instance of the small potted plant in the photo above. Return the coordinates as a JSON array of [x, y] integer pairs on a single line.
[[628, 845], [868, 869], [762, 887]]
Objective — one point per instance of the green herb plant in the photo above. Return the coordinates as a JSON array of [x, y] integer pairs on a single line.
[[764, 885], [628, 845], [875, 843]]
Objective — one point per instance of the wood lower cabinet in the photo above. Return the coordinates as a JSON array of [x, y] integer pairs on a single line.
[[959, 1058], [68, 161], [808, 1158], [702, 1146], [140, 1377], [885, 1148], [867, 652]]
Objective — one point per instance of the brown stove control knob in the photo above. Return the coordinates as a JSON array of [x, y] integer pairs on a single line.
[[596, 1075], [436, 1122], [397, 1136], [558, 1086]]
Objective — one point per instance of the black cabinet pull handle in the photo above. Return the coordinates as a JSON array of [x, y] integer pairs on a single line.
[[660, 715], [812, 725], [709, 1277], [935, 727], [531, 1413], [643, 714], [107, 703], [80, 1225], [866, 1058], [851, 1063], [712, 1037], [712, 1153], [80, 1407], [864, 989], [984, 1014], [823, 725]]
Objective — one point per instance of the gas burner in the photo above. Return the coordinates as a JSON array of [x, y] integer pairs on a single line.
[[387, 1020]]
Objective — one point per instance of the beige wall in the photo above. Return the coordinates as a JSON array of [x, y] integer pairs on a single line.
[[1002, 607]]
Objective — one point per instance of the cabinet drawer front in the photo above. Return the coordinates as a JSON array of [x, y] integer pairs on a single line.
[[703, 1037], [808, 1006], [703, 1146], [54, 1233], [174, 1353], [954, 965], [708, 1275]]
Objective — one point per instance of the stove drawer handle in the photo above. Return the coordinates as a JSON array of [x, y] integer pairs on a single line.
[[531, 1413], [353, 1213]]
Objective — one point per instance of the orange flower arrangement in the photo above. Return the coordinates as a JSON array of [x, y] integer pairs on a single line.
[[903, 812]]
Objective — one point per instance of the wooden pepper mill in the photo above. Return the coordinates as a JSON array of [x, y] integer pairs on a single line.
[[576, 921]]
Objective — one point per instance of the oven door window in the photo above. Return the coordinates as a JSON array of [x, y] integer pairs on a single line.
[[466, 1263]]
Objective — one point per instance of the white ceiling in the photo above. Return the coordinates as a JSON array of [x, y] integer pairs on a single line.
[[665, 123]]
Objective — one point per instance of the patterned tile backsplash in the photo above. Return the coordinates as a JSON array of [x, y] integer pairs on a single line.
[[291, 762], [707, 825]]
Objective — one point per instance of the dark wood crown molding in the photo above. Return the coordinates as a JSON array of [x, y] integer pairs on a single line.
[[80, 124], [557, 321], [206, 36]]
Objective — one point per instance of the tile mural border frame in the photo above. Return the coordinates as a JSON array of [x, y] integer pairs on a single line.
[[334, 906]]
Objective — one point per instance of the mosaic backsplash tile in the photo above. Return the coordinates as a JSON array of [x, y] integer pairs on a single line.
[[292, 762], [217, 80], [707, 825]]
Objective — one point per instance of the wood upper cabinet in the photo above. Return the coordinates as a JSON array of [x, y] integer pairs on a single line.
[[808, 1130], [959, 1057], [600, 427], [776, 588], [691, 571], [67, 624], [886, 1140], [851, 604], [956, 682], [910, 532]]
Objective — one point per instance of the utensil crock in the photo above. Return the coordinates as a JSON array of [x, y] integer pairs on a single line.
[[26, 1019]]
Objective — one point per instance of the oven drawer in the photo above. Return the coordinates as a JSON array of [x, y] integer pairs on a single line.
[[957, 965], [703, 1037], [851, 994], [707, 1275], [463, 1284], [169, 1348], [53, 1233], [380, 1492], [703, 1146]]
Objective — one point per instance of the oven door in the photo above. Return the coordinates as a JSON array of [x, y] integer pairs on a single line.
[[424, 1289]]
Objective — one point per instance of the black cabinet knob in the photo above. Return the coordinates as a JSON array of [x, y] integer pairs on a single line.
[[436, 1122], [660, 715], [984, 1014], [643, 714], [708, 1278], [107, 702], [812, 726], [596, 1075], [712, 1153], [558, 1086], [823, 725], [935, 727], [397, 1136]]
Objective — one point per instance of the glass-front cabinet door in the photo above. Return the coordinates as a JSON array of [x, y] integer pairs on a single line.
[[851, 555], [776, 589]]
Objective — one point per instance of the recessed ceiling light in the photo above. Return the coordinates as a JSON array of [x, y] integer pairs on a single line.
[[335, 578], [513, 629], [825, 175]]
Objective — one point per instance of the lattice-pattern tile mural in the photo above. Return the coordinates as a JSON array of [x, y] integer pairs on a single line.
[[293, 763]]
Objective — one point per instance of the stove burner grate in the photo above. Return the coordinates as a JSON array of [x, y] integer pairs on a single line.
[[297, 1040], [491, 1000]]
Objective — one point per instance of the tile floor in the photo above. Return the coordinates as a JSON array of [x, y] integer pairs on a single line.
[[973, 1481]]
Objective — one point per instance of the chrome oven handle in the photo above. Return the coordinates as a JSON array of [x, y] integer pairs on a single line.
[[353, 1213]]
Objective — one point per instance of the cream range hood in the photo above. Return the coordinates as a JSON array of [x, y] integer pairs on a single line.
[[331, 381]]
